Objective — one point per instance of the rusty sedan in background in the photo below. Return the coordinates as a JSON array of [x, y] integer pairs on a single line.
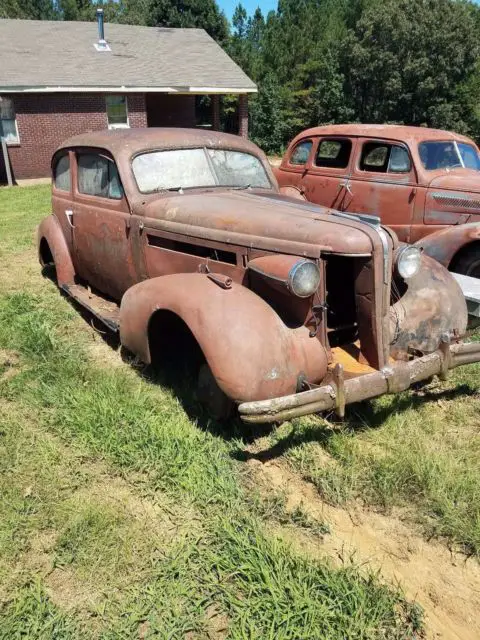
[[423, 183], [169, 233]]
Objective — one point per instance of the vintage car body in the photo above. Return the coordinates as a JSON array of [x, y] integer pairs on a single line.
[[295, 308], [405, 175]]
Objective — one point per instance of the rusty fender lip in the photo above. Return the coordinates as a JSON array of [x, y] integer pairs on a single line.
[[335, 395]]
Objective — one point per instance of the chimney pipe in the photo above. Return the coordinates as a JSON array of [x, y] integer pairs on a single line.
[[100, 23]]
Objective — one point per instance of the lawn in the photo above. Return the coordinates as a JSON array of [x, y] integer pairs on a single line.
[[127, 513]]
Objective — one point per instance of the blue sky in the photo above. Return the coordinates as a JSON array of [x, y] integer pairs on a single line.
[[250, 5]]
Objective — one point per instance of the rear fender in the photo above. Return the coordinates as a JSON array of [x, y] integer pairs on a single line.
[[250, 351], [445, 244], [50, 231]]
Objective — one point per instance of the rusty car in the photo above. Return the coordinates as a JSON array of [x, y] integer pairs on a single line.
[[423, 183], [295, 309]]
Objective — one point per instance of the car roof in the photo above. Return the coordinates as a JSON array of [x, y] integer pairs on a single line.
[[402, 133], [129, 142]]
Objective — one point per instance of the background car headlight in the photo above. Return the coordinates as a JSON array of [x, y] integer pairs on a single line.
[[304, 278], [408, 262]]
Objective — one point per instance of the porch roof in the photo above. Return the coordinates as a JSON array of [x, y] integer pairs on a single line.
[[56, 56]]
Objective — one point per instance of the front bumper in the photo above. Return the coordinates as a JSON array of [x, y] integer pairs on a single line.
[[337, 394]]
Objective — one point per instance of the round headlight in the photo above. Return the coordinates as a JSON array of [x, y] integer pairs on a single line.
[[304, 278], [408, 262]]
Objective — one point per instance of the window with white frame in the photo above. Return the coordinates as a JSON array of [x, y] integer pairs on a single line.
[[117, 112], [8, 121]]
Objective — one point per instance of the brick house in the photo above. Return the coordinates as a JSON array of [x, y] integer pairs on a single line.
[[58, 79]]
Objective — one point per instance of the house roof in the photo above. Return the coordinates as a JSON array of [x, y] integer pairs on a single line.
[[47, 56]]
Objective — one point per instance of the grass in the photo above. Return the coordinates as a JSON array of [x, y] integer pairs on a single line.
[[123, 517]]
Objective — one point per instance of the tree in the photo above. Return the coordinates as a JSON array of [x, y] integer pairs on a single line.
[[28, 9], [203, 14]]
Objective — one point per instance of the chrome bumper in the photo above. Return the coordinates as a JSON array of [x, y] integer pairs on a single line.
[[336, 395]]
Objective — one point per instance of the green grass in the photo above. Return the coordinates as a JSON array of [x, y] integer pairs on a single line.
[[123, 517]]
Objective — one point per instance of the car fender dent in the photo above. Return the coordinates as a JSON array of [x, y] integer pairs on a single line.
[[250, 351], [51, 231]]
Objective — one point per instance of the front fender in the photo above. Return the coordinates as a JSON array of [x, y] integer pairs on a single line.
[[444, 245], [251, 352], [51, 231]]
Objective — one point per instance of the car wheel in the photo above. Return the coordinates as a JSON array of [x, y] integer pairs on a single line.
[[217, 403], [468, 262]]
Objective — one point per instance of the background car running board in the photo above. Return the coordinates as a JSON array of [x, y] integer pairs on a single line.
[[104, 310]]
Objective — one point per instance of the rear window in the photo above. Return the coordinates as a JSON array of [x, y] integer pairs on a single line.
[[333, 153]]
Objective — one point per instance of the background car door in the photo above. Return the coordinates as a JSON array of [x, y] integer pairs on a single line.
[[326, 180], [101, 226], [383, 183], [293, 169]]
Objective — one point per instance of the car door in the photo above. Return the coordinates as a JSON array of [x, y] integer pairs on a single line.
[[328, 172], [293, 169], [62, 193], [384, 183], [101, 225]]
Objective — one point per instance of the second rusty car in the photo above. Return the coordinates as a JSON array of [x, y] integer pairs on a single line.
[[295, 309], [423, 183]]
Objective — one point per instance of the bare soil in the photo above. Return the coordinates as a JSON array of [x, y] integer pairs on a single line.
[[446, 584]]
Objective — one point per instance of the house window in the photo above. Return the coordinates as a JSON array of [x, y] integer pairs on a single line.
[[8, 122], [117, 112]]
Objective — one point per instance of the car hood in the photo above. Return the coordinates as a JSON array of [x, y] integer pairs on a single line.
[[260, 220], [457, 180]]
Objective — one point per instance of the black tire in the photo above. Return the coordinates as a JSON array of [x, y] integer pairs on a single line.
[[217, 403], [467, 261]]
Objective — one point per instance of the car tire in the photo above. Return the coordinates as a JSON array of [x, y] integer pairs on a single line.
[[467, 261], [217, 403]]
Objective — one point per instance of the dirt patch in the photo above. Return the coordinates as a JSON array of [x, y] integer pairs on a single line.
[[69, 593], [444, 583], [9, 364]]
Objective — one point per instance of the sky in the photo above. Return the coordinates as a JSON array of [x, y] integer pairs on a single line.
[[250, 5]]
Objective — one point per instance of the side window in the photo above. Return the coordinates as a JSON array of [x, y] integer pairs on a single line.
[[98, 176], [62, 173], [301, 152], [333, 153], [381, 157]]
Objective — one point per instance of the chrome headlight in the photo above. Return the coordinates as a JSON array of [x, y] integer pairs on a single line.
[[303, 278], [408, 262]]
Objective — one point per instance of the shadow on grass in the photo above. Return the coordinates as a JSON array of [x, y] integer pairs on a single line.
[[360, 417]]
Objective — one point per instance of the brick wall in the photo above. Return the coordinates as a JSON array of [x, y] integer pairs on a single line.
[[45, 120]]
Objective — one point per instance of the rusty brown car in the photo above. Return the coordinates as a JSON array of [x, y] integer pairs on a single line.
[[423, 183], [296, 309]]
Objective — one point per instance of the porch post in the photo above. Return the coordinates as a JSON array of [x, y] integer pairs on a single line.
[[243, 115], [216, 112]]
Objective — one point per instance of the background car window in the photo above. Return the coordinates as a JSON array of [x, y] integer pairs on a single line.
[[448, 155], [301, 152], [333, 153], [399, 160], [381, 157], [98, 176], [62, 173]]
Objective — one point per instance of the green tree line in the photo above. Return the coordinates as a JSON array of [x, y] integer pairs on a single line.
[[325, 61]]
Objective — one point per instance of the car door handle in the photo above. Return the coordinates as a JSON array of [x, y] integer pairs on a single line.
[[69, 216], [345, 184]]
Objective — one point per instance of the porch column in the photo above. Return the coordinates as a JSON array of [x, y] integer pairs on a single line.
[[243, 115], [216, 112]]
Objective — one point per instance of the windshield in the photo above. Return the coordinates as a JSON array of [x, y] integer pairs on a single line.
[[188, 168], [448, 155]]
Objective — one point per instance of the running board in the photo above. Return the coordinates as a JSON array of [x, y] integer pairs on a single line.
[[104, 310]]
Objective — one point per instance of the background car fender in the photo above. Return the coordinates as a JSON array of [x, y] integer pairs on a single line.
[[445, 244], [50, 232], [251, 352]]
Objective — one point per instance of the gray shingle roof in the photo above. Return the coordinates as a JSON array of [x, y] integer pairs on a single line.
[[47, 54]]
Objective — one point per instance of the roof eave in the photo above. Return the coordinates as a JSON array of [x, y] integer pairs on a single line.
[[125, 89]]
